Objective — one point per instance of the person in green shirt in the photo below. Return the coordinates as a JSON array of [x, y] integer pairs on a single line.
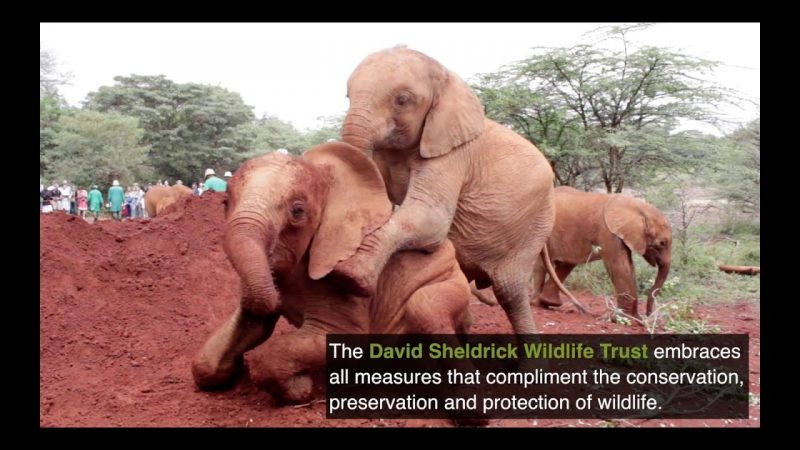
[[116, 196], [95, 201], [214, 183]]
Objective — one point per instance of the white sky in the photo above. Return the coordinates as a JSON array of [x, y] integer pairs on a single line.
[[298, 72]]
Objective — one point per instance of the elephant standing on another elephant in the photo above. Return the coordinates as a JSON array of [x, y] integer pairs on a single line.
[[454, 173], [159, 197], [618, 224], [289, 221]]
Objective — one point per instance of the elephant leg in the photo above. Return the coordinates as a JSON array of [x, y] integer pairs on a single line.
[[619, 266], [421, 223], [551, 296], [539, 278], [221, 358], [284, 365], [485, 296], [439, 308]]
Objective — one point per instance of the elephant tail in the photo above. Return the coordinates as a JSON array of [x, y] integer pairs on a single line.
[[546, 256]]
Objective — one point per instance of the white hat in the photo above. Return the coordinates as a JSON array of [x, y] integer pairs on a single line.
[[210, 172], [115, 183], [228, 174], [282, 151], [331, 140]]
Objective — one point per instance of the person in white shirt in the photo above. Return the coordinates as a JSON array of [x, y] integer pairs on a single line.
[[66, 193]]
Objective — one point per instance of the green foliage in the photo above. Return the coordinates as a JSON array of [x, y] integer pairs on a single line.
[[679, 317], [605, 115], [92, 147], [738, 168], [188, 127], [50, 111]]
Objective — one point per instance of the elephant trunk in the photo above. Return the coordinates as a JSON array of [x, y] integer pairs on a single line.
[[247, 241], [357, 129], [663, 270]]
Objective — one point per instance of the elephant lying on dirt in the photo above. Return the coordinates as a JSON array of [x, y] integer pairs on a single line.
[[617, 224], [159, 197], [289, 221]]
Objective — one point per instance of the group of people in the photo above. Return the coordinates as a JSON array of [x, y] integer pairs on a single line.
[[122, 204]]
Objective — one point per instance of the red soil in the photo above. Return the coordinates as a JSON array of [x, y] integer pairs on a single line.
[[124, 306]]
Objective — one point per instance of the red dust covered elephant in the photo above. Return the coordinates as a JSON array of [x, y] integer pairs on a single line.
[[289, 221], [158, 198], [592, 226]]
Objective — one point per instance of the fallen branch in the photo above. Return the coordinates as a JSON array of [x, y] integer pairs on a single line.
[[742, 270]]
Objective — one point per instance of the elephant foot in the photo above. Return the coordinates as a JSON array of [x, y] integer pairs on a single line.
[[546, 302], [357, 276], [209, 375], [293, 390]]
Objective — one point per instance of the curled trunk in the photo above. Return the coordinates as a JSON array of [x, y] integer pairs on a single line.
[[246, 243], [663, 271]]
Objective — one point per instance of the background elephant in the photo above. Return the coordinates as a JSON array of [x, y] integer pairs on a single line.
[[159, 197], [289, 220], [618, 224], [455, 174]]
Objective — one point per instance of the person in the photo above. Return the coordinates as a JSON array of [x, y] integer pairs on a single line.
[[47, 196], [227, 176], [214, 183], [140, 210], [194, 188], [66, 194], [127, 209], [200, 188], [41, 199], [55, 197], [95, 201], [282, 151], [116, 196], [136, 195], [82, 199]]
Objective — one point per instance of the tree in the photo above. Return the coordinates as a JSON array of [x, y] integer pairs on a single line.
[[188, 127], [49, 78], [331, 129], [738, 165], [50, 111], [93, 147], [272, 133], [617, 106]]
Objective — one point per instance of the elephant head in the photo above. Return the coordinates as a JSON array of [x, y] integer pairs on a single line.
[[281, 210], [645, 231], [401, 99]]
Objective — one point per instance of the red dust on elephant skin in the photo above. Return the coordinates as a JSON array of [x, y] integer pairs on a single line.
[[124, 306]]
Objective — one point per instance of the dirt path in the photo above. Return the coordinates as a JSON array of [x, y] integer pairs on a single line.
[[124, 307]]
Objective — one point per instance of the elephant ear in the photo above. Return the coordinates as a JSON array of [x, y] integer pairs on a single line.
[[455, 118], [624, 218], [356, 205]]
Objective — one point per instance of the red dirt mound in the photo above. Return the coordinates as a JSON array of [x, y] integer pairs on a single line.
[[124, 306]]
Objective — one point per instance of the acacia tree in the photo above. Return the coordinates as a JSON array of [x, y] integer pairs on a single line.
[[739, 168], [620, 102]]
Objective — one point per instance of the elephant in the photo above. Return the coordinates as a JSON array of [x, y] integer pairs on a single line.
[[618, 224], [454, 174], [289, 220], [159, 197]]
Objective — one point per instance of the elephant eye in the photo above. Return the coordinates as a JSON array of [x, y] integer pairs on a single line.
[[298, 210], [402, 99]]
